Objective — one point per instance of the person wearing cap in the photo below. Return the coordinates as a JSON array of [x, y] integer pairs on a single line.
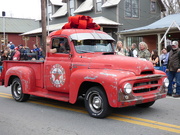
[[173, 69]]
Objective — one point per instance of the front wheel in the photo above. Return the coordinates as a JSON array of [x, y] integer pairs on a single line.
[[96, 103], [145, 105], [16, 90]]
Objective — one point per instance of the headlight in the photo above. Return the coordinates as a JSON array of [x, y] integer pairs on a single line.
[[166, 82], [127, 88]]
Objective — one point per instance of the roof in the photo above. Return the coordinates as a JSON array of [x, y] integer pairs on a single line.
[[50, 28], [56, 2], [110, 3], [159, 25], [99, 20], [87, 5], [104, 21], [61, 11], [18, 25]]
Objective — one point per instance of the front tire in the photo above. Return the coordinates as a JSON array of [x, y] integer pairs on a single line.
[[146, 105], [96, 103], [17, 92]]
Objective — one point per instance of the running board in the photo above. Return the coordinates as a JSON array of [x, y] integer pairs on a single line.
[[52, 95]]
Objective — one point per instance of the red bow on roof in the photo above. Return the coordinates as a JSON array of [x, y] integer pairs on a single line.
[[81, 22]]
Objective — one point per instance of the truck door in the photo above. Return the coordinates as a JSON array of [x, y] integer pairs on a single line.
[[57, 66]]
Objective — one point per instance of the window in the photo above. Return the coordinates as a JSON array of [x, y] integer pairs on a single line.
[[131, 8], [153, 6], [61, 45], [131, 40], [89, 46], [71, 7], [85, 6], [98, 6]]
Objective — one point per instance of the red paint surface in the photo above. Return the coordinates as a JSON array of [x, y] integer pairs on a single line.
[[61, 76]]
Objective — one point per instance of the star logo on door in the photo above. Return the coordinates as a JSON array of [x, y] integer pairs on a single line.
[[57, 75]]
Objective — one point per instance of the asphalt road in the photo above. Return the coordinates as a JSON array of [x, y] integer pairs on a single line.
[[40, 116]]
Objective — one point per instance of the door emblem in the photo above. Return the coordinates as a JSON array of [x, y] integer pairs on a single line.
[[57, 75]]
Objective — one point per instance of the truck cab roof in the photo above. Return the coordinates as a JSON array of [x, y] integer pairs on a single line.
[[82, 34]]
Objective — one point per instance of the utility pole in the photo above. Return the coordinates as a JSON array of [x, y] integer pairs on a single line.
[[47, 11], [4, 28], [43, 19]]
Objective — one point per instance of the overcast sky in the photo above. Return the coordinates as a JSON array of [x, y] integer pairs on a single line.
[[21, 8]]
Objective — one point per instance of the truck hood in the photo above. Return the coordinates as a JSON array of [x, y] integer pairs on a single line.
[[116, 62]]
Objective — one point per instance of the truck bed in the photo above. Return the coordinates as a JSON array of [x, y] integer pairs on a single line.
[[36, 65]]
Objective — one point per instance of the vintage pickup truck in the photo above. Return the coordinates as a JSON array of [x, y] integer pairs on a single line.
[[87, 67]]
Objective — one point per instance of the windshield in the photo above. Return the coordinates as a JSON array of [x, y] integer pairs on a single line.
[[86, 46]]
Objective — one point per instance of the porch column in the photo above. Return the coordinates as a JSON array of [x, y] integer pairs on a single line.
[[159, 44], [37, 41]]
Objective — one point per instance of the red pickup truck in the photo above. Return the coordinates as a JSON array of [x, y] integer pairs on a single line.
[[86, 66]]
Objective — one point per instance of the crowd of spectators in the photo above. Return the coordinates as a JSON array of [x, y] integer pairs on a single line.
[[142, 51], [20, 52]]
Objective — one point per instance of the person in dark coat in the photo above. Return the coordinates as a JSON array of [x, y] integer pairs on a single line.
[[173, 69]]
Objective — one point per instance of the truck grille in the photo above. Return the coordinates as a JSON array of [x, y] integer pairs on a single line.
[[145, 86]]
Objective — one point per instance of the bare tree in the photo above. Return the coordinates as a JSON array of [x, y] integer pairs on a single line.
[[172, 6]]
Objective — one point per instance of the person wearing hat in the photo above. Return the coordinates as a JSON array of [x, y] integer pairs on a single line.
[[173, 69]]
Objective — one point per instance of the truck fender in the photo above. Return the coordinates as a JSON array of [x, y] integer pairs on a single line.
[[25, 74], [107, 78]]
